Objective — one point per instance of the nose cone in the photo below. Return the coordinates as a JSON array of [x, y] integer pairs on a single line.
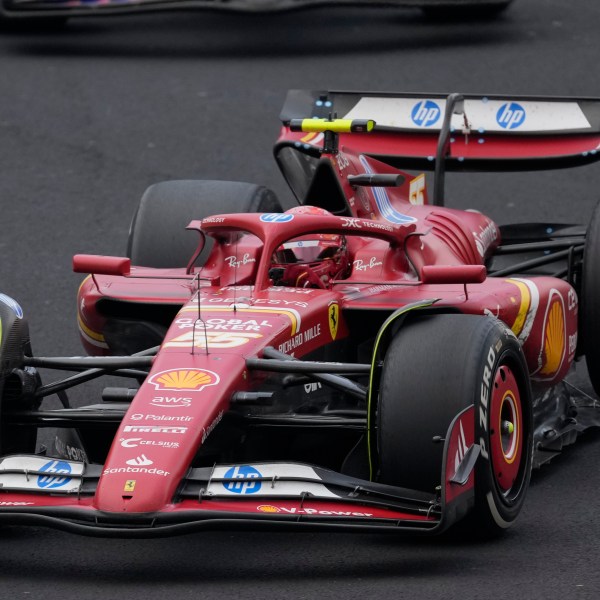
[[168, 421]]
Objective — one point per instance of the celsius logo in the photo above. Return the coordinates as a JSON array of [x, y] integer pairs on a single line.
[[59, 469], [276, 218], [510, 115], [425, 113], [244, 476]]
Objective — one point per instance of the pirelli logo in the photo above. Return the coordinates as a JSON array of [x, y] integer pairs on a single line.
[[153, 429]]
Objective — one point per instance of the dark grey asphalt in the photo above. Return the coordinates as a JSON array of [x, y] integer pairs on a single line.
[[89, 117]]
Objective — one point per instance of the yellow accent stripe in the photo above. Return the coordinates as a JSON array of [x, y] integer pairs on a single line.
[[517, 326], [307, 138], [81, 284], [276, 311], [89, 332], [382, 330]]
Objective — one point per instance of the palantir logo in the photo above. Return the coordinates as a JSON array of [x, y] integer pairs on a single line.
[[245, 474], [510, 115], [59, 469], [425, 113]]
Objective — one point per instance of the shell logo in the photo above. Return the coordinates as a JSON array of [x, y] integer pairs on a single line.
[[267, 508], [333, 312], [188, 380], [554, 336]]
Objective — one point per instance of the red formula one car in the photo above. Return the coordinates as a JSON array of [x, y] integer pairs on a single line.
[[368, 360]]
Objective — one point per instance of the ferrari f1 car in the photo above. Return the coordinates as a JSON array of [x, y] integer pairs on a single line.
[[55, 11], [368, 360]]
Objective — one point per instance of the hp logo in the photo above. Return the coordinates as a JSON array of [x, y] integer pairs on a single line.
[[59, 468], [276, 218], [425, 113], [510, 115], [245, 475]]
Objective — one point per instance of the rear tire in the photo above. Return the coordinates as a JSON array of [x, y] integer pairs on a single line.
[[434, 368], [589, 320], [157, 236]]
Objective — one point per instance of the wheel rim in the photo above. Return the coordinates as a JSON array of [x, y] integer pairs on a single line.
[[506, 429]]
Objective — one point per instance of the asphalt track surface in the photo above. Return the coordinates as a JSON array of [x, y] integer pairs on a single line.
[[92, 115]]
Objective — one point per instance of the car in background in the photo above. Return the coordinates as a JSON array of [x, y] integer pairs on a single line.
[[56, 12]]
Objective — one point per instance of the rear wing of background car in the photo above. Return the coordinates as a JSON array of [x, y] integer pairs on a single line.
[[460, 132]]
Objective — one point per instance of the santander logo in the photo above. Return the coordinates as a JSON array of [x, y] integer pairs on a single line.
[[140, 461]]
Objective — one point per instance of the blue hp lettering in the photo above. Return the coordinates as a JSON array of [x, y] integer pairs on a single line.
[[59, 469], [425, 113], [510, 115], [248, 480], [276, 218]]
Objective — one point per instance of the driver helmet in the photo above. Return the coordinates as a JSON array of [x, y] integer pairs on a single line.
[[312, 260]]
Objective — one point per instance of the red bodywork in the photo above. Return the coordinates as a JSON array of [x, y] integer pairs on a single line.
[[403, 252], [240, 313]]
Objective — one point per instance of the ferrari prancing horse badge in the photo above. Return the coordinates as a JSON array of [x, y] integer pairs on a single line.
[[333, 311]]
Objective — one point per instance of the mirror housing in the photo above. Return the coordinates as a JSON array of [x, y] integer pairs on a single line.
[[102, 265], [461, 274]]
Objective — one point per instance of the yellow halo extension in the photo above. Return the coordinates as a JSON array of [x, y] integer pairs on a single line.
[[336, 125]]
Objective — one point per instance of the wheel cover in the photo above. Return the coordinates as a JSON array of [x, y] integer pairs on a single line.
[[506, 429]]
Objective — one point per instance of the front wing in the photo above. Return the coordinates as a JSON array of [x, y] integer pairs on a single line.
[[36, 490]]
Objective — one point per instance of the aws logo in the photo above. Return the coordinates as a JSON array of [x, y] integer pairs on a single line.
[[188, 380]]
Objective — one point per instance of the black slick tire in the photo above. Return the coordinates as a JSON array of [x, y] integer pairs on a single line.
[[434, 368], [157, 236], [589, 319]]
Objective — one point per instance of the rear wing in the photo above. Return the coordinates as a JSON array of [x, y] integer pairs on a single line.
[[501, 129], [460, 132]]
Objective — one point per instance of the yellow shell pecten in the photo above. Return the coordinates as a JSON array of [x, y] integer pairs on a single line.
[[554, 339], [184, 379], [268, 508]]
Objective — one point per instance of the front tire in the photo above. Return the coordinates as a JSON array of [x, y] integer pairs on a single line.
[[434, 368], [18, 383]]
